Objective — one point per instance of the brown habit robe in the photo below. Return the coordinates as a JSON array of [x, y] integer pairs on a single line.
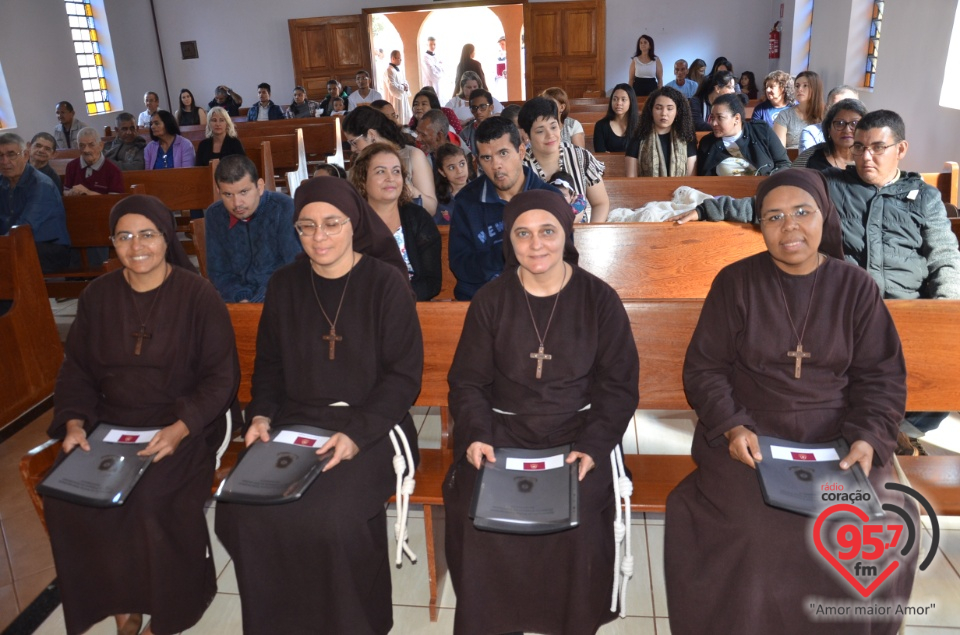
[[733, 564], [557, 583], [151, 555], [321, 564]]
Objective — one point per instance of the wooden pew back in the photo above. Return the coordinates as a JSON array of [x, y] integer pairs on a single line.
[[262, 157], [948, 181], [88, 223], [178, 188], [632, 193], [615, 164]]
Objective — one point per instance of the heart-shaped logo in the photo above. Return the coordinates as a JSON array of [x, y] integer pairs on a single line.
[[829, 557]]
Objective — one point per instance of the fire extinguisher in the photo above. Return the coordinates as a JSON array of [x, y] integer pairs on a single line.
[[774, 42]]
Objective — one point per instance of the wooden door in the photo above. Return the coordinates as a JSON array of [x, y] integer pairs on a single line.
[[565, 46], [334, 47]]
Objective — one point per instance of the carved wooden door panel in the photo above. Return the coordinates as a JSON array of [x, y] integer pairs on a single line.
[[565, 46], [332, 47]]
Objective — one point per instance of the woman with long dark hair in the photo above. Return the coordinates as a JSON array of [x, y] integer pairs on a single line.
[[748, 85], [189, 113], [614, 132], [467, 63], [646, 71], [168, 149], [665, 144]]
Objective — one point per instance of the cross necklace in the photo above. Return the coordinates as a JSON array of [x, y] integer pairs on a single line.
[[799, 354], [540, 356], [142, 334], [332, 338]]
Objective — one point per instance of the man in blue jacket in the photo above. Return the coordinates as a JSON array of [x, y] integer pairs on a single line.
[[265, 109], [476, 226], [249, 232]]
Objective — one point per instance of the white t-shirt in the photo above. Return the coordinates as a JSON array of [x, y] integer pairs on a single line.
[[356, 99]]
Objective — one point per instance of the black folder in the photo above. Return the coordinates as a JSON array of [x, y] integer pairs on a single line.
[[279, 471], [527, 492], [806, 477], [104, 476]]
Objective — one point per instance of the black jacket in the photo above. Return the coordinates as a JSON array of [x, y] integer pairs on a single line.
[[422, 241], [758, 144]]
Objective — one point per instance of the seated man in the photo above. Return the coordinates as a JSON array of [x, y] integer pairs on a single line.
[[249, 232], [126, 150], [28, 197], [687, 87], [264, 109], [737, 146], [152, 101], [334, 89], [481, 106], [433, 131], [42, 148], [476, 226], [364, 94], [228, 99], [66, 131], [92, 172]]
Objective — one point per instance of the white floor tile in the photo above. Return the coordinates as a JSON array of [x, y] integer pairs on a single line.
[[629, 442], [654, 518], [655, 554], [414, 620], [222, 617], [429, 437], [947, 435], [663, 626], [227, 580], [629, 626], [938, 585], [639, 591], [220, 555], [410, 581], [665, 431]]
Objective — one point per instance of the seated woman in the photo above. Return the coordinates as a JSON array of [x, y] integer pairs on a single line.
[[221, 138], [614, 132], [779, 89], [813, 134], [698, 69], [168, 149], [548, 154], [748, 85], [738, 147], [726, 550], [339, 347], [179, 373], [572, 129], [809, 110], [301, 107], [427, 100], [451, 171], [584, 395], [836, 152], [364, 126], [723, 83], [379, 176], [665, 144], [460, 103], [189, 113]]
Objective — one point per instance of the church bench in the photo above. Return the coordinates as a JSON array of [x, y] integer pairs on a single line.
[[178, 188], [947, 181], [614, 163], [634, 192], [262, 156], [590, 116], [88, 224], [955, 225]]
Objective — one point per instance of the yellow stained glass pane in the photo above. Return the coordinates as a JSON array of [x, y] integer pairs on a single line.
[[98, 60], [93, 35], [91, 109], [106, 106], [88, 9], [103, 84]]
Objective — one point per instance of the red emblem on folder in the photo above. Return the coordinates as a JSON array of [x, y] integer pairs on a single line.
[[305, 441], [803, 456], [128, 438], [535, 466]]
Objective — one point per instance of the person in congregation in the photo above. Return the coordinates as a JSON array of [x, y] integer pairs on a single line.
[[189, 113], [168, 149], [398, 90], [151, 101], [152, 347], [28, 197], [460, 103], [387, 108], [748, 85], [433, 130], [249, 232], [665, 143], [646, 70], [809, 110], [265, 109], [301, 107], [481, 106], [68, 127], [427, 100], [363, 94], [334, 89], [378, 175], [452, 170], [571, 129], [584, 394], [725, 548], [42, 148], [466, 65], [228, 99], [321, 564], [723, 83], [221, 140], [365, 126], [686, 86], [813, 134], [548, 154], [431, 66], [840, 122], [92, 173], [779, 90], [698, 69], [476, 223], [738, 146], [721, 65], [126, 150], [614, 132]]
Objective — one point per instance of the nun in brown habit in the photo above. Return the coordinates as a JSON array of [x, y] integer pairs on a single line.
[[734, 564], [584, 393], [152, 347], [338, 347]]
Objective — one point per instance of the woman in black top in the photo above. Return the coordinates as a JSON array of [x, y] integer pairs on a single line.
[[379, 175], [613, 132], [189, 113], [221, 138], [665, 144]]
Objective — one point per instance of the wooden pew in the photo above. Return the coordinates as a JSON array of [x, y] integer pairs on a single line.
[[88, 223], [262, 157], [614, 163], [955, 225], [948, 181], [31, 347], [590, 116], [178, 188], [633, 193]]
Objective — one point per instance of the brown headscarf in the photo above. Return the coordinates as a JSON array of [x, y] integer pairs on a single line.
[[548, 201], [371, 236], [154, 209], [814, 183]]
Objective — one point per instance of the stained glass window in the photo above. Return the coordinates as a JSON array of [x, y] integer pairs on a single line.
[[873, 44], [86, 45]]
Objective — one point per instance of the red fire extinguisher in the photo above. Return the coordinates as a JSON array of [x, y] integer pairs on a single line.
[[774, 42]]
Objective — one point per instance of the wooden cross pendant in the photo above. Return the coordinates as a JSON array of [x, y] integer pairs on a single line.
[[141, 335], [333, 338], [540, 356], [799, 356]]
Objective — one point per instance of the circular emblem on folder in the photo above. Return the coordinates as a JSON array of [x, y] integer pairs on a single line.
[[108, 464], [285, 460], [525, 485], [802, 474]]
